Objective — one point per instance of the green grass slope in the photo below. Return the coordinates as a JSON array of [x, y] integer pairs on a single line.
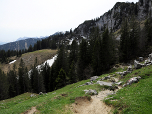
[[133, 99], [51, 103]]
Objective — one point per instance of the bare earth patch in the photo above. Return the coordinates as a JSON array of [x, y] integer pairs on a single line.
[[95, 106], [32, 111]]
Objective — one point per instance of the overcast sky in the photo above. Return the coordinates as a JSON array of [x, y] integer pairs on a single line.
[[35, 18]]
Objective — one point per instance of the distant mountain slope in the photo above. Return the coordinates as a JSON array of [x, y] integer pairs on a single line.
[[24, 38], [114, 17], [1, 43], [19, 45]]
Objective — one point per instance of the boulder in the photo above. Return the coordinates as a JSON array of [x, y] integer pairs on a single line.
[[91, 92], [94, 78], [141, 59], [132, 80], [113, 75], [120, 73], [112, 79], [88, 83], [102, 83], [150, 57], [109, 98], [139, 77], [113, 88], [129, 69], [119, 83], [105, 78], [137, 65], [40, 93], [124, 73], [124, 85], [32, 95]]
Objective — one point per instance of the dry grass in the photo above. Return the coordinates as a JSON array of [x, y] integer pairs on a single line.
[[29, 59]]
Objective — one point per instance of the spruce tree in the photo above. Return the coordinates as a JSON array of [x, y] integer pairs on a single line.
[[148, 33], [21, 74], [61, 79], [72, 73], [13, 83], [83, 59], [46, 76], [106, 50], [124, 42], [61, 61], [52, 79], [4, 93], [37, 81], [96, 58], [134, 38], [73, 52]]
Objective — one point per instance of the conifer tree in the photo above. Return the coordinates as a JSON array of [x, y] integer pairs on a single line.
[[106, 50], [61, 79], [24, 81], [37, 82], [61, 61], [13, 82], [124, 43], [52, 78], [46, 76], [83, 59], [73, 52], [96, 58], [4, 94], [30, 49], [27, 81], [148, 33], [134, 38], [21, 74], [72, 74]]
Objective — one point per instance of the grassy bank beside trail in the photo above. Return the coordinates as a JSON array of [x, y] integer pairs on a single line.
[[53, 103], [135, 98]]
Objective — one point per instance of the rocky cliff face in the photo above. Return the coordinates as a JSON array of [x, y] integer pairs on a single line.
[[145, 9], [114, 17]]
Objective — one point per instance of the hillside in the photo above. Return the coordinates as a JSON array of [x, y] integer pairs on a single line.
[[20, 44], [29, 59], [101, 67], [135, 98], [113, 18]]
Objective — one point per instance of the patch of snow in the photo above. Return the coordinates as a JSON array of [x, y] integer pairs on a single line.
[[118, 37], [12, 62], [83, 37], [49, 62], [70, 41]]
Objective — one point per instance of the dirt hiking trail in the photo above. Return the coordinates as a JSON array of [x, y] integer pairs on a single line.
[[94, 106], [32, 111]]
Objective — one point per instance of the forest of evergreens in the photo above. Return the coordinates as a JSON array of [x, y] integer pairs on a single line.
[[93, 56]]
